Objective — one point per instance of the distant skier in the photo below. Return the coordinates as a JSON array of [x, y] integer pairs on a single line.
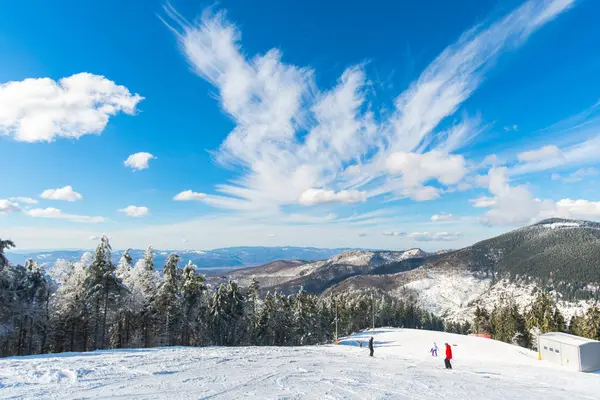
[[360, 343], [434, 350], [448, 356], [371, 346]]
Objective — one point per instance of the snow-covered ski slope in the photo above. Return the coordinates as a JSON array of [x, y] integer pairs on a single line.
[[401, 369]]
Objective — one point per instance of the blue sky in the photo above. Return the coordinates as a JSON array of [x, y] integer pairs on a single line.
[[328, 124]]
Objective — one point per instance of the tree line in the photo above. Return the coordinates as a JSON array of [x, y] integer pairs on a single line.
[[506, 323], [94, 304]]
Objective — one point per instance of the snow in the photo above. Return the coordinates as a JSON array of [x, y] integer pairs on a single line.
[[447, 294], [454, 295], [567, 339], [555, 225], [402, 368]]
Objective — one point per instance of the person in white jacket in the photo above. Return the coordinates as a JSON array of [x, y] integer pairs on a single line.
[[434, 350]]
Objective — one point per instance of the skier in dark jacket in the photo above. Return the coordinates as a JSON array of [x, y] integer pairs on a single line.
[[448, 356], [371, 346]]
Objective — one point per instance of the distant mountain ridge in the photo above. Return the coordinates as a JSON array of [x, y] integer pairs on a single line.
[[559, 255], [229, 257], [318, 276]]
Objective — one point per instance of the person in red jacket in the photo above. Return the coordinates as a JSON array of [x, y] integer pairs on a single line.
[[448, 356]]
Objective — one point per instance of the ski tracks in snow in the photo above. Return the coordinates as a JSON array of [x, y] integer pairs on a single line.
[[401, 369]]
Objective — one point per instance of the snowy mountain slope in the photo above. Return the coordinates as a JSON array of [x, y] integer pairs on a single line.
[[401, 369], [316, 277], [454, 293], [556, 254]]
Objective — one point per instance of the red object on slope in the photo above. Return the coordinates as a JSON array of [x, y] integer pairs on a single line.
[[448, 352]]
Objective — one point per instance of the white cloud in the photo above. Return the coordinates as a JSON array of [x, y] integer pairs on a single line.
[[272, 235], [138, 161], [422, 193], [55, 213], [94, 237], [67, 194], [483, 202], [41, 110], [567, 208], [24, 200], [320, 196], [443, 217], [420, 168], [511, 128], [290, 136], [394, 234], [307, 219], [516, 205], [576, 176], [135, 211], [7, 207], [188, 195], [491, 160], [435, 237], [543, 153]]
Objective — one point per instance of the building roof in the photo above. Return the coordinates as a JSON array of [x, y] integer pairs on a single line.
[[567, 339]]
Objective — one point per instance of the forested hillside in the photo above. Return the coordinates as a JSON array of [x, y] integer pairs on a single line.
[[96, 304]]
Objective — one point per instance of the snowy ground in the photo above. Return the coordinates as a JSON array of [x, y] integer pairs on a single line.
[[401, 369]]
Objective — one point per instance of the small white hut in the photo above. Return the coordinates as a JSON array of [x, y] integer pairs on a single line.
[[570, 351]]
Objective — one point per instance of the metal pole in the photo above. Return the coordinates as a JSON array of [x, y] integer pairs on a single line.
[[336, 324], [373, 307]]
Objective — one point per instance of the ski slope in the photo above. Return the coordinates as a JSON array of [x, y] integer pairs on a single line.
[[401, 369]]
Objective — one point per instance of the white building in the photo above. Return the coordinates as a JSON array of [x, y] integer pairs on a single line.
[[573, 352]]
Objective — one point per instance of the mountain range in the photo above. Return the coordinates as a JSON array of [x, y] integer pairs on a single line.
[[217, 259], [559, 255]]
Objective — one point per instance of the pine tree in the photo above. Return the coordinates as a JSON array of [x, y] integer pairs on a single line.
[[4, 245], [149, 258], [70, 318], [166, 304], [102, 290], [124, 267], [591, 323], [252, 311], [481, 323], [192, 290]]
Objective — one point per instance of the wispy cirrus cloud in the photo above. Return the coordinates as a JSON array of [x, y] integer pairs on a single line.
[[576, 176], [55, 213], [24, 200], [427, 236], [297, 144]]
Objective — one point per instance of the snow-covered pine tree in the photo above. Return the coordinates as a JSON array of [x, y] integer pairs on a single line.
[[70, 317], [124, 268], [4, 245], [192, 289], [34, 297], [226, 315], [167, 302], [305, 319], [102, 291], [142, 284], [252, 309]]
